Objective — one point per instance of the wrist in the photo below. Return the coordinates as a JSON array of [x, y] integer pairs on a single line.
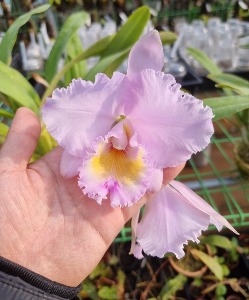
[[38, 264], [37, 281]]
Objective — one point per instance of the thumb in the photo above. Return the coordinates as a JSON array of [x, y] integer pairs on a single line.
[[21, 140]]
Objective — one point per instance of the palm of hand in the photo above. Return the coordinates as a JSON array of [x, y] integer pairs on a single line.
[[47, 224], [51, 226]]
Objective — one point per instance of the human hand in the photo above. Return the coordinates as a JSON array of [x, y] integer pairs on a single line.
[[47, 224]]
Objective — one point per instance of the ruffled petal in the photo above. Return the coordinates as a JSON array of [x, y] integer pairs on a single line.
[[69, 166], [171, 124], [123, 175], [84, 111], [196, 201], [138, 251], [168, 223], [147, 53]]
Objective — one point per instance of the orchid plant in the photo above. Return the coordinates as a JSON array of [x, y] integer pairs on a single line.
[[118, 135], [236, 91]]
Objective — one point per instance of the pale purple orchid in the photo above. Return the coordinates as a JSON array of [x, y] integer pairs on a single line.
[[118, 134]]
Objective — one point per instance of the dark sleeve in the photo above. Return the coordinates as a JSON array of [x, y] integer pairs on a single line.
[[19, 283]]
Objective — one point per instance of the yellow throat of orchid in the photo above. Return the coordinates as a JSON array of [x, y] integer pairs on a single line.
[[125, 166]]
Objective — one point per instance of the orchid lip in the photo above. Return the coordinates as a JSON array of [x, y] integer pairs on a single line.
[[117, 170]]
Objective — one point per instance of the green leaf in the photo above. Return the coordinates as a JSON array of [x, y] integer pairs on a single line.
[[226, 106], [113, 66], [108, 293], [89, 290], [102, 65], [45, 143], [204, 60], [3, 132], [121, 277], [118, 48], [246, 46], [167, 37], [6, 114], [3, 129], [198, 282], [217, 240], [94, 50], [172, 286], [8, 101], [236, 83], [97, 49], [14, 85], [129, 33], [210, 262], [11, 103], [102, 270], [9, 39], [221, 290], [78, 70], [207, 64], [225, 270], [71, 25]]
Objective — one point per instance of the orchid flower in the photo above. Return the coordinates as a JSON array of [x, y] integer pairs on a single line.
[[118, 135]]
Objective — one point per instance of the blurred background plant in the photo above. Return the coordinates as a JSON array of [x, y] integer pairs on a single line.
[[236, 90], [208, 271]]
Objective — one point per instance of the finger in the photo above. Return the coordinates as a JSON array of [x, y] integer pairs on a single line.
[[52, 159], [129, 212], [21, 140], [170, 173]]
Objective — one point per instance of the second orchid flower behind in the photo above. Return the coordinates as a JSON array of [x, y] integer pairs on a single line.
[[119, 134]]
